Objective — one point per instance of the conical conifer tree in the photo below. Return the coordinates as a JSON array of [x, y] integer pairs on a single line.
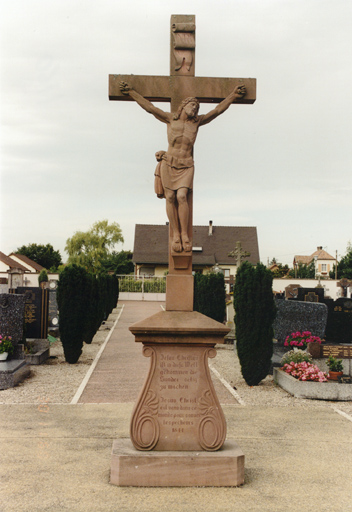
[[255, 312]]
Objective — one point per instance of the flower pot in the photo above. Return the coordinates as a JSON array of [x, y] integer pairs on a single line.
[[334, 375], [3, 356]]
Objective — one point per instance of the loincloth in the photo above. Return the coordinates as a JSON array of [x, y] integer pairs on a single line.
[[176, 172]]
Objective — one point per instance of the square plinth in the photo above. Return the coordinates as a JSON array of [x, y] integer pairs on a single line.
[[133, 468]]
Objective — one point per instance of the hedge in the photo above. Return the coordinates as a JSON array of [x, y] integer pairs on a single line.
[[84, 301], [210, 295], [255, 313]]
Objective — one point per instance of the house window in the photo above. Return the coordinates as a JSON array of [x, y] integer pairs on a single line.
[[227, 273], [146, 271], [323, 267]]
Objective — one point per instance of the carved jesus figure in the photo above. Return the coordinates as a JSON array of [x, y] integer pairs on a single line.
[[176, 167]]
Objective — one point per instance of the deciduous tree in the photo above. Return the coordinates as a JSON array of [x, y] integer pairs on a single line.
[[44, 255], [90, 248], [344, 266]]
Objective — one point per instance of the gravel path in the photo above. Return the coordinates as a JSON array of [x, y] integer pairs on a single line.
[[56, 381]]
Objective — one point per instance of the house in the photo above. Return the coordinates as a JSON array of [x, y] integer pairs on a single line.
[[211, 248], [17, 270], [29, 264], [324, 262], [8, 263]]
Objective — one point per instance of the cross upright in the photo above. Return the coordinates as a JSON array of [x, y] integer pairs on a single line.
[[174, 172]]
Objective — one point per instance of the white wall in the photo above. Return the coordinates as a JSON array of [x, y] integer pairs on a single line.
[[29, 279]]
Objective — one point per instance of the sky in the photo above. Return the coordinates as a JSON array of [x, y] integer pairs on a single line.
[[70, 157]]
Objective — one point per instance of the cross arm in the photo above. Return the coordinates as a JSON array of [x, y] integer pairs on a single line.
[[176, 88], [153, 88]]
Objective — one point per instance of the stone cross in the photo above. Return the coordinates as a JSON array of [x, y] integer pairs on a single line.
[[177, 419], [181, 84], [239, 254]]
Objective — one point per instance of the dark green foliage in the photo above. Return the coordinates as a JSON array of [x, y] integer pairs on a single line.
[[44, 255], [73, 302], [210, 296], [303, 271], [43, 277], [255, 312], [84, 301], [118, 262], [344, 266]]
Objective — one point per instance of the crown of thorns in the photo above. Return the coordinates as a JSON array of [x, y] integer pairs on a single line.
[[183, 104]]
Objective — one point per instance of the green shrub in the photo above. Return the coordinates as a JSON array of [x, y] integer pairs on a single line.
[[129, 284], [73, 293], [210, 295], [155, 285], [43, 277], [255, 312], [84, 301]]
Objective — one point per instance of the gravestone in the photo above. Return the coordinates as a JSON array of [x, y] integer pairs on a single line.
[[339, 326], [36, 311], [53, 311], [14, 369], [177, 420], [12, 316], [293, 316], [291, 291], [310, 294]]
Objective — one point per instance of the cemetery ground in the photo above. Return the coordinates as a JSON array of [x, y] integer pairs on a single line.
[[56, 435]]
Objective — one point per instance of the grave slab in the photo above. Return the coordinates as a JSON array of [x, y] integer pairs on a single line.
[[13, 372], [224, 468], [313, 390], [41, 351]]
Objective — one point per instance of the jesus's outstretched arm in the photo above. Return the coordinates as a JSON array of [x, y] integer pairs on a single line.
[[165, 117], [236, 94]]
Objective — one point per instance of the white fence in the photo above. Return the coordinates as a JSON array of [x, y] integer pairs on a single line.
[[148, 288]]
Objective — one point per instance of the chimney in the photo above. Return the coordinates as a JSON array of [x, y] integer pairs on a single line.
[[320, 248], [210, 228]]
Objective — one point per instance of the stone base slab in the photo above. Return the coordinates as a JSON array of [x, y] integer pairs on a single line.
[[313, 390], [133, 468], [41, 351], [13, 372], [39, 357]]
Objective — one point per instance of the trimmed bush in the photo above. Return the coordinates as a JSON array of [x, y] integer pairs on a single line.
[[84, 301], [43, 277], [73, 293], [210, 295], [255, 312]]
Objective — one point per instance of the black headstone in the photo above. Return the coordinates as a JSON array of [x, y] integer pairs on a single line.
[[339, 326], [310, 294], [36, 311]]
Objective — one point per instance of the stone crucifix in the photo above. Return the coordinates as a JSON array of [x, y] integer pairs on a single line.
[[175, 168]]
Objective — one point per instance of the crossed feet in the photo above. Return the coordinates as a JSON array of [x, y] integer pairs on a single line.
[[181, 242]]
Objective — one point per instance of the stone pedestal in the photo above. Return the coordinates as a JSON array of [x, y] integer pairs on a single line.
[[178, 428], [178, 408], [223, 468]]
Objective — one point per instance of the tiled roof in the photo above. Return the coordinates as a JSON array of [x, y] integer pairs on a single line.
[[305, 260], [151, 244], [320, 253], [10, 262], [28, 261]]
